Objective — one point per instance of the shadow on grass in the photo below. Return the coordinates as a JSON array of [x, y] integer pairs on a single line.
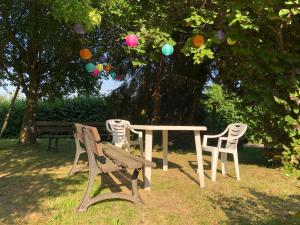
[[172, 165], [259, 208], [26, 178]]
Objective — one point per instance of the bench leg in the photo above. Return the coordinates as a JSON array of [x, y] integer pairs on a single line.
[[49, 144], [56, 145], [87, 201], [135, 193], [79, 151], [74, 169]]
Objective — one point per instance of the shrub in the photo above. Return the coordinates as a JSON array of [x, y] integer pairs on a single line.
[[73, 109]]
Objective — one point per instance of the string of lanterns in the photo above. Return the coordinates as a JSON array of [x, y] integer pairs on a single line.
[[102, 68]]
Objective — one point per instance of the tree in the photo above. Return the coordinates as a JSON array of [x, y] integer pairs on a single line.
[[259, 61], [40, 54]]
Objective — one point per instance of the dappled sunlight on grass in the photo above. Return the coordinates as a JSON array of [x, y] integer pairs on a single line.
[[35, 189]]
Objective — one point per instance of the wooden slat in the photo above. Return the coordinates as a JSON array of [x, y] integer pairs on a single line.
[[54, 123], [56, 136], [108, 167], [121, 159], [145, 162], [54, 129]]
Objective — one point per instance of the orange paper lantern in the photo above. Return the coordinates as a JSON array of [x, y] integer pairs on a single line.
[[107, 68], [198, 40], [85, 53]]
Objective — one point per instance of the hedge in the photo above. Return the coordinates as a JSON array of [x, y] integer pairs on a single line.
[[74, 109]]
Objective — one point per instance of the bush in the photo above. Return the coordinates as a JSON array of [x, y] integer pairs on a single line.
[[74, 109]]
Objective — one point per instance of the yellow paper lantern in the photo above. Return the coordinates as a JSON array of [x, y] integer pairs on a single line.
[[99, 67]]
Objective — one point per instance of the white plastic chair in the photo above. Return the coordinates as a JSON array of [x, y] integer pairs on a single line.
[[235, 131], [121, 138]]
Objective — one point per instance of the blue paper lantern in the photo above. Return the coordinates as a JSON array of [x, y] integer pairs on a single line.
[[167, 49], [90, 67]]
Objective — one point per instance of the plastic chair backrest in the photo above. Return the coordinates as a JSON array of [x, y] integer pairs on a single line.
[[235, 131]]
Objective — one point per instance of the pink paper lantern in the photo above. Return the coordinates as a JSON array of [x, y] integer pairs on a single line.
[[132, 40], [95, 72]]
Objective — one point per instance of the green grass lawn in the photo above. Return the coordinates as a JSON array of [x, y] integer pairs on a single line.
[[35, 189]]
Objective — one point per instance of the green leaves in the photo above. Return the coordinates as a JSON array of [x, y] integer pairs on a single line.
[[283, 12], [244, 19], [74, 11], [199, 17], [150, 44]]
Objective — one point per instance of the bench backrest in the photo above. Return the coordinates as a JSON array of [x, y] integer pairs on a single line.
[[89, 137], [59, 127], [53, 126]]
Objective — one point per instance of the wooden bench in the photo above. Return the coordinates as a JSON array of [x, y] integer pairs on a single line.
[[104, 158], [55, 130]]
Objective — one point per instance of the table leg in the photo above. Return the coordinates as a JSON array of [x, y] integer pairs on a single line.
[[127, 142], [148, 156], [199, 158], [165, 150]]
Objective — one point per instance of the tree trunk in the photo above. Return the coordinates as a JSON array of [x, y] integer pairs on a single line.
[[193, 108], [214, 118], [28, 129], [5, 122], [156, 96]]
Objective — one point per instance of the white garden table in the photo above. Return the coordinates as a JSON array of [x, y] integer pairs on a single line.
[[148, 147]]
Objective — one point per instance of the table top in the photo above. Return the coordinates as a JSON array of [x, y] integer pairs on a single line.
[[167, 127]]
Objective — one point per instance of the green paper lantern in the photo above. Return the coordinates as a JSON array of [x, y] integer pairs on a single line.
[[167, 49], [90, 67], [112, 74]]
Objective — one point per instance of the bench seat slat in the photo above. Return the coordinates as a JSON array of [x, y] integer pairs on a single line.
[[107, 167], [121, 159], [145, 162]]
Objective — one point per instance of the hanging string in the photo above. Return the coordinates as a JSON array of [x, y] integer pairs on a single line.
[[114, 24]]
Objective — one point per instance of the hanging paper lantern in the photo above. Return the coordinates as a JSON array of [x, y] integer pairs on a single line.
[[102, 59], [99, 67], [198, 40], [220, 35], [90, 67], [112, 74], [103, 73], [132, 40], [95, 72], [78, 29], [230, 41], [85, 53], [107, 67], [167, 49]]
